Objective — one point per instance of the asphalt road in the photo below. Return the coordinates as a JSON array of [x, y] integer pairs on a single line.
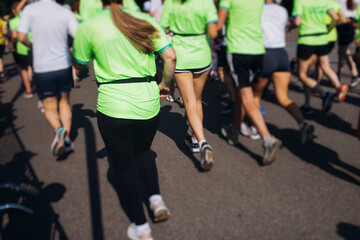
[[307, 193]]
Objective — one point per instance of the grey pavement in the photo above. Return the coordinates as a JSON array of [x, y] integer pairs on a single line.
[[307, 193]]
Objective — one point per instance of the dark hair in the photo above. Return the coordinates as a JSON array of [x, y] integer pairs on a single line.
[[350, 5], [137, 31]]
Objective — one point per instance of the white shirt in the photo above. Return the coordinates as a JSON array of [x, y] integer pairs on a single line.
[[273, 24], [50, 24], [347, 12], [154, 5]]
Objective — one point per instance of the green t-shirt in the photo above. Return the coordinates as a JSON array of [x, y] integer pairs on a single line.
[[332, 36], [358, 19], [131, 4], [20, 47], [313, 30], [191, 17], [89, 8], [243, 26], [115, 58]]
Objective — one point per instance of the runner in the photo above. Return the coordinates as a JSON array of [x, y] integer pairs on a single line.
[[192, 22], [245, 51], [128, 101], [346, 33], [21, 53], [312, 43], [276, 65], [3, 34], [52, 64], [357, 54]]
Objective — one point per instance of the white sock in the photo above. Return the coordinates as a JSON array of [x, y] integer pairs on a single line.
[[193, 140], [155, 199], [143, 229], [202, 142]]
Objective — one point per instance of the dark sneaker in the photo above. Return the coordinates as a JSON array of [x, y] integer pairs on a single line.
[[194, 147], [227, 109], [207, 161], [58, 144], [327, 101], [307, 133], [270, 150], [341, 92], [354, 81], [69, 146], [230, 134], [307, 110]]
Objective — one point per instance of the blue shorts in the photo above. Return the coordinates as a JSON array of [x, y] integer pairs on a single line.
[[51, 84]]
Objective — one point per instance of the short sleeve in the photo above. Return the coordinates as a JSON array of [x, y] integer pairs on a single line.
[[162, 43], [225, 4], [24, 25], [329, 5], [82, 50], [165, 15], [358, 13], [211, 13], [297, 10]]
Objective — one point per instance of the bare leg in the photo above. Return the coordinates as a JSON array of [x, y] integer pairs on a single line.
[[227, 82], [65, 112], [51, 112], [351, 64], [26, 80], [325, 65]]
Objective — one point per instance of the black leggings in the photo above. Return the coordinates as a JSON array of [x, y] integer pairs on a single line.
[[128, 145]]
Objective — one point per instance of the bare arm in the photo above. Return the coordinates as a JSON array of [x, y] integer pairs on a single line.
[[169, 58], [212, 30], [342, 17], [297, 21], [334, 16], [22, 37], [77, 65], [21, 5], [13, 40], [222, 15]]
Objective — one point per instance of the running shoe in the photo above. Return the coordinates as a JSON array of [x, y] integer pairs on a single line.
[[76, 82], [180, 100], [307, 110], [69, 146], [161, 212], [58, 144], [327, 101], [40, 106], [249, 131], [28, 95], [341, 92], [227, 109], [131, 233], [270, 150], [307, 133], [207, 161], [354, 81], [170, 98], [230, 134], [262, 110], [193, 147]]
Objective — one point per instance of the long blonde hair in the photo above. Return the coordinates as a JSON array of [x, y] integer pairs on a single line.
[[137, 31]]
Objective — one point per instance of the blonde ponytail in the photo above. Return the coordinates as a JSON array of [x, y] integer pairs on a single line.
[[137, 31]]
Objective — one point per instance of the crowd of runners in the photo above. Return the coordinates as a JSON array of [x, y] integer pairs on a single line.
[[139, 54]]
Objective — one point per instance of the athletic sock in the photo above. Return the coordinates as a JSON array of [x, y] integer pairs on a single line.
[[68, 142], [193, 140], [141, 229], [202, 142], [267, 140], [337, 86]]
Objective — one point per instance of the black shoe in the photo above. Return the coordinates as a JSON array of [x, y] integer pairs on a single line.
[[354, 81], [193, 147], [207, 161], [307, 110], [307, 133], [327, 101]]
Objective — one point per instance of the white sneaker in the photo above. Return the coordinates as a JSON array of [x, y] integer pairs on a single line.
[[249, 131], [157, 205], [169, 98], [131, 233]]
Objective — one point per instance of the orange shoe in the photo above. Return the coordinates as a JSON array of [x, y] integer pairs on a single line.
[[341, 92]]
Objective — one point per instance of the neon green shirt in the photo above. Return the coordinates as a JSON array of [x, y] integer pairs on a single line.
[[89, 8], [358, 19], [332, 36], [312, 15], [243, 27], [131, 4], [115, 58], [191, 17], [20, 47]]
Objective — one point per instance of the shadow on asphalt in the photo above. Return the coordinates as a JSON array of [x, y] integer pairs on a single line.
[[317, 155], [348, 231], [15, 168]]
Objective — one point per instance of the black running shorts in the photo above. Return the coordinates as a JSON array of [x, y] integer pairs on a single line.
[[51, 84], [2, 49], [24, 61], [244, 67], [221, 54], [346, 34], [194, 71], [304, 52], [275, 60]]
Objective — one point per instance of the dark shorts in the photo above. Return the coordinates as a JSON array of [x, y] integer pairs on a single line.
[[346, 34], [304, 52], [275, 60], [244, 67], [2, 49], [51, 84], [331, 47], [24, 61], [194, 71], [221, 54]]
